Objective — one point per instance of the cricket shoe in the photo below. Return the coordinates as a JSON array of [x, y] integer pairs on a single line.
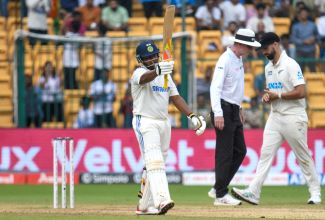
[[149, 211], [165, 206], [226, 200], [315, 199], [212, 193], [246, 195]]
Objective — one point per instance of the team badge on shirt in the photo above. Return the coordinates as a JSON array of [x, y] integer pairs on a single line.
[[299, 75]]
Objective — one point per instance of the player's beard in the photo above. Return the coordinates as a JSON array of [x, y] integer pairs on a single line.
[[271, 55]]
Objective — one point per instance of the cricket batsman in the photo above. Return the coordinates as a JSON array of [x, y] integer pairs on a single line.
[[152, 127]]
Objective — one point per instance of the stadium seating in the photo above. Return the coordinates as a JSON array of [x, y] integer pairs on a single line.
[[138, 24], [137, 9], [257, 67], [281, 25], [314, 81], [316, 99], [209, 44], [249, 85], [317, 119], [189, 21], [156, 25], [138, 33]]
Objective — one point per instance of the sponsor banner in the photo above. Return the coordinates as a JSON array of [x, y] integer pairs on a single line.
[[207, 178], [299, 179], [47, 178], [12, 178], [198, 178], [116, 178], [117, 151]]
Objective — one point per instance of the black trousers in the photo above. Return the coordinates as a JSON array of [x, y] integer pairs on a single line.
[[230, 148]]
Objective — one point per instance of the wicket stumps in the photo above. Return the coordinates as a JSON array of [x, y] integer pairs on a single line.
[[59, 152]]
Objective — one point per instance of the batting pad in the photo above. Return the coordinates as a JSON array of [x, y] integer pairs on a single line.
[[156, 174], [146, 200]]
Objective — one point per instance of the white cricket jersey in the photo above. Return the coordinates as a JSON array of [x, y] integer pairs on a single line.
[[227, 82], [151, 99], [283, 77]]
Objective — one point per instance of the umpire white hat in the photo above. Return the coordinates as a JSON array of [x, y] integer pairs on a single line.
[[247, 37]]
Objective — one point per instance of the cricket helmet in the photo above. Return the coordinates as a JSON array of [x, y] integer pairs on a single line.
[[145, 49]]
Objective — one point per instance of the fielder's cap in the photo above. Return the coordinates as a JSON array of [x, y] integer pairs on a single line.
[[269, 38], [247, 37]]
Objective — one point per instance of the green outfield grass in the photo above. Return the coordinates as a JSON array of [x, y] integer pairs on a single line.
[[119, 201]]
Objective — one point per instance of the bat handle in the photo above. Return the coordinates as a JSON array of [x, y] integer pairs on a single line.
[[165, 81]]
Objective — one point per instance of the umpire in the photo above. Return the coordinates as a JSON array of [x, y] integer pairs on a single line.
[[227, 93]]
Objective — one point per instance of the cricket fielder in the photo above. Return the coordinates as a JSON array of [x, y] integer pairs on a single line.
[[285, 91], [152, 127]]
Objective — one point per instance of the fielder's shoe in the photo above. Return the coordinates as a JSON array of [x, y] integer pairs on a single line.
[[227, 200], [165, 206], [315, 199], [212, 193], [246, 195], [148, 211]]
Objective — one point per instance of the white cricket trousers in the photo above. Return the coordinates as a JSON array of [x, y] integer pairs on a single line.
[[153, 136], [293, 129], [152, 132]]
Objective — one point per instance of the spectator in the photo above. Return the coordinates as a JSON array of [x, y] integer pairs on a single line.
[[151, 7], [69, 5], [50, 84], [4, 8], [282, 10], [304, 35], [320, 7], [285, 45], [33, 102], [103, 53], [233, 11], [321, 26], [190, 6], [252, 23], [208, 16], [37, 17], [257, 54], [127, 108], [90, 15], [102, 91], [203, 85], [251, 8], [259, 85], [253, 115], [69, 18], [307, 3], [115, 17], [71, 57], [299, 5], [85, 118], [127, 4], [99, 3], [229, 34]]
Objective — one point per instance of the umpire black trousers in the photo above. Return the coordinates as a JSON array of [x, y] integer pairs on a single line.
[[230, 147]]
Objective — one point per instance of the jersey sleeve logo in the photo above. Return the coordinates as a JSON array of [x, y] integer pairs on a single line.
[[299, 75]]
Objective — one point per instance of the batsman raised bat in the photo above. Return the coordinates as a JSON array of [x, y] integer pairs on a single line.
[[167, 37]]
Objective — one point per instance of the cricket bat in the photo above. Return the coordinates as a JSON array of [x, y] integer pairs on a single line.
[[167, 37]]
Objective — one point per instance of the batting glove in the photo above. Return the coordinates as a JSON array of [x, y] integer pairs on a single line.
[[164, 67], [198, 123]]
